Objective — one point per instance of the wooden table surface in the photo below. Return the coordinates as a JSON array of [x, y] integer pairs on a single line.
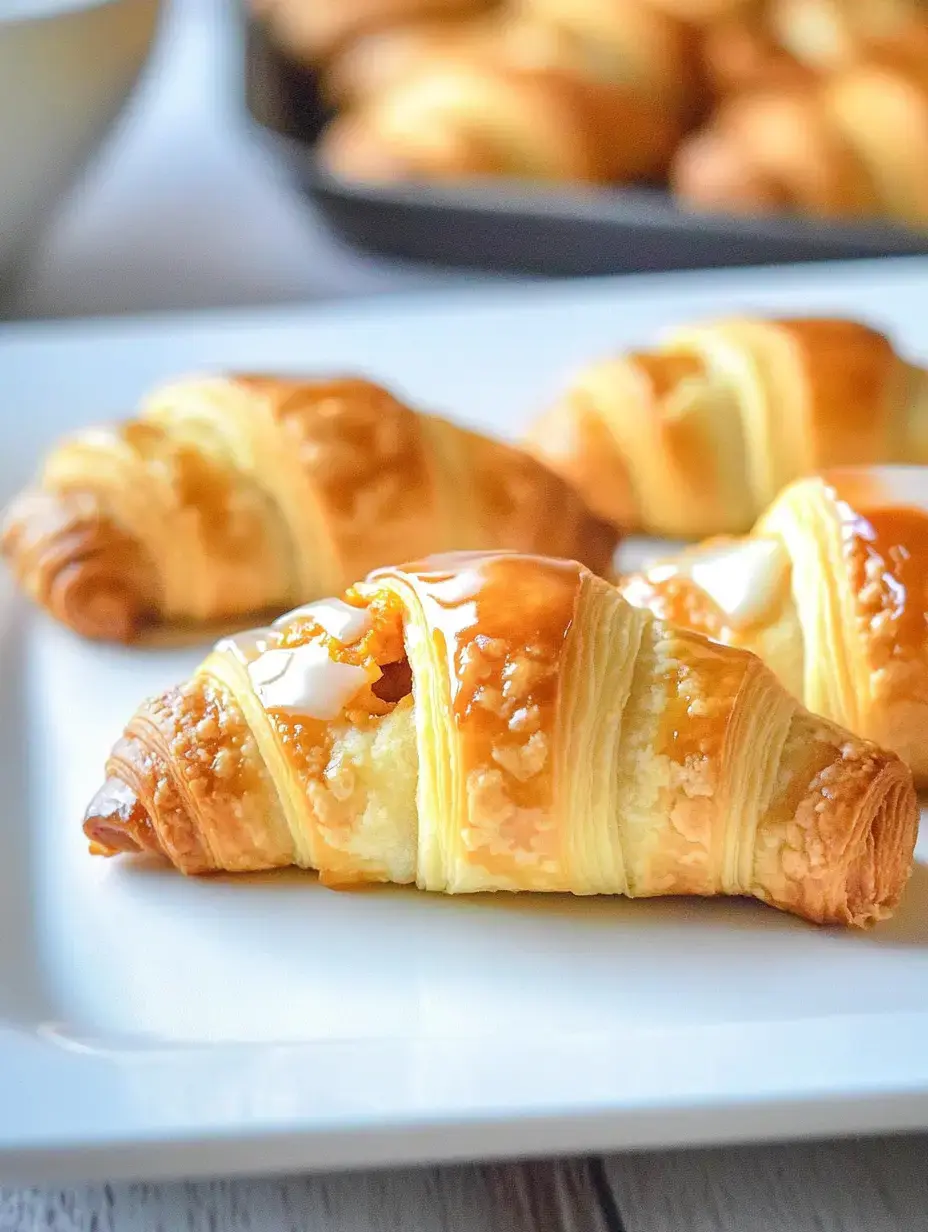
[[186, 210], [872, 1186]]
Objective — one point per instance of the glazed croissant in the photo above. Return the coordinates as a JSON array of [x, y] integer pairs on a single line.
[[314, 30], [525, 102], [697, 437], [829, 34], [741, 54], [503, 722], [853, 145], [831, 590], [242, 494]]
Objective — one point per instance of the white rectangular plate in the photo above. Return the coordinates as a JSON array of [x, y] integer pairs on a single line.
[[152, 1025]]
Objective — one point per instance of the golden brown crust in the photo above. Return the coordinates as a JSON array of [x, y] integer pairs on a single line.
[[775, 150], [315, 31], [830, 34], [838, 608], [575, 442], [621, 41], [244, 494], [702, 12], [705, 776], [740, 55], [73, 560], [844, 831], [847, 144], [691, 439], [459, 117]]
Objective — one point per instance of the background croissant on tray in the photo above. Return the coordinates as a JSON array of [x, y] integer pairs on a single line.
[[818, 107]]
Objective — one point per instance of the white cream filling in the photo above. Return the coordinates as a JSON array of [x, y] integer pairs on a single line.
[[305, 680], [247, 646], [743, 578], [339, 619]]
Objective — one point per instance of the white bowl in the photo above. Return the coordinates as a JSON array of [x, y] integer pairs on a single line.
[[66, 68]]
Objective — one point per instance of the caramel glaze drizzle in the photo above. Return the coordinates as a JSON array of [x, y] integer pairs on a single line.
[[500, 622], [887, 552]]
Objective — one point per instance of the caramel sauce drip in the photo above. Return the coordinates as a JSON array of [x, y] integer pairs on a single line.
[[704, 681], [887, 549], [502, 623]]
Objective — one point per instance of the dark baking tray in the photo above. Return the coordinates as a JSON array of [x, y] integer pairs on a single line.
[[507, 226]]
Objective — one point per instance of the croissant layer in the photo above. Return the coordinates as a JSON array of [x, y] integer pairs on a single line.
[[697, 437], [249, 494], [830, 590], [482, 722]]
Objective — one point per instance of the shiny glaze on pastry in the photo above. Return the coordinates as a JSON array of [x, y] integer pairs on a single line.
[[837, 578], [697, 437], [516, 726], [234, 495]]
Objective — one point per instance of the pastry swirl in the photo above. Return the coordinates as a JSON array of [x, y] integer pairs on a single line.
[[480, 722], [244, 494], [698, 436], [831, 590]]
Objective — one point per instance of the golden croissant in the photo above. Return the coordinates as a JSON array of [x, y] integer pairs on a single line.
[[830, 33], [243, 494], [831, 590], [314, 31], [524, 103], [496, 721], [697, 437], [853, 145]]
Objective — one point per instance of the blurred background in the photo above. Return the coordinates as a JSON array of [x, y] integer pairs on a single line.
[[402, 143], [184, 205]]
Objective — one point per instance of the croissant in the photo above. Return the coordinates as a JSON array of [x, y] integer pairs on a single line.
[[313, 30], [383, 58], [523, 107], [828, 34], [704, 12], [697, 437], [242, 494], [623, 41], [831, 590], [494, 721], [740, 54], [854, 145]]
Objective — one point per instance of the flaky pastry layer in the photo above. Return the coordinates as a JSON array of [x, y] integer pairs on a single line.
[[513, 724]]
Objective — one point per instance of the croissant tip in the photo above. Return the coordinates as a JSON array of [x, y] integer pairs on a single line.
[[117, 822]]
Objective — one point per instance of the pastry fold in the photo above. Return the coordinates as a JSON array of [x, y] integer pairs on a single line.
[[243, 494], [479, 722], [831, 590], [698, 436]]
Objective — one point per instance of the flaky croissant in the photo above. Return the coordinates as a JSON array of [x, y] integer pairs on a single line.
[[503, 722], [831, 590], [521, 106], [853, 145], [311, 31], [242, 494], [625, 41], [740, 54], [697, 437], [830, 34]]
